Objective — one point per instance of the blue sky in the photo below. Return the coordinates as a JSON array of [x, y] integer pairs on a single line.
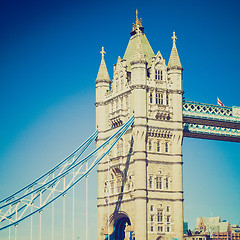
[[49, 59]]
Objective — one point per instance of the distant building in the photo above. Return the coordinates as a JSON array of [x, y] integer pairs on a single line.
[[196, 236], [235, 232], [217, 229]]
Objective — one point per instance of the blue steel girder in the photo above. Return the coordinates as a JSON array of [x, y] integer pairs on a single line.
[[208, 121]]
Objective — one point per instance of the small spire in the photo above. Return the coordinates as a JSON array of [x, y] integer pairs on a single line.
[[103, 72], [103, 52], [174, 60], [138, 23], [174, 37]]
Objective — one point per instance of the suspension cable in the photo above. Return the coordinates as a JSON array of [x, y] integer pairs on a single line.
[[39, 191]]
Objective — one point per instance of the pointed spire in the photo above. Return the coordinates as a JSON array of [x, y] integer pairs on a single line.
[[174, 60], [103, 72]]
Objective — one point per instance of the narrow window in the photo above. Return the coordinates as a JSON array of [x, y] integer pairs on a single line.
[[150, 145], [167, 99], [150, 181], [167, 183], [157, 98], [168, 208], [159, 216], [151, 228], [157, 74], [161, 75], [166, 147], [158, 146], [151, 98], [151, 218], [168, 219], [168, 229], [151, 208], [161, 99], [105, 187], [158, 182]]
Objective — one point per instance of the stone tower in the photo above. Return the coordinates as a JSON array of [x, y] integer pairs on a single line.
[[140, 194]]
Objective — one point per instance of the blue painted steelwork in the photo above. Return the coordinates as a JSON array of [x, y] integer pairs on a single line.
[[66, 168], [209, 111], [208, 121]]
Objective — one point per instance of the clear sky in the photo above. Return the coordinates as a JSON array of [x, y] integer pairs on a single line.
[[49, 59]]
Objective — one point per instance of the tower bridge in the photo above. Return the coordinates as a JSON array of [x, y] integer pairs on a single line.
[[141, 120], [146, 192]]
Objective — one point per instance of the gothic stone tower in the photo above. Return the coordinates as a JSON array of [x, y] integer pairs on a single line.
[[141, 196]]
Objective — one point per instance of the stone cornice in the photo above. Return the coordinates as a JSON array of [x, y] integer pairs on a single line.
[[138, 86]]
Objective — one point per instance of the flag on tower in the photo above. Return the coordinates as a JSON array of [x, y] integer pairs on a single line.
[[219, 102]]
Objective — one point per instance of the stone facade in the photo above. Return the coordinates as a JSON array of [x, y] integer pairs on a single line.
[[140, 182]]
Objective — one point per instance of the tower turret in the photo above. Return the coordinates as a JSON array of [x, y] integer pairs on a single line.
[[102, 87], [175, 76], [175, 66]]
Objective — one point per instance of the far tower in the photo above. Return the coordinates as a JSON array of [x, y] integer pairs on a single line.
[[141, 197]]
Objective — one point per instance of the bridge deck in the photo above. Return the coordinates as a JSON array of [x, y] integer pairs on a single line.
[[211, 121]]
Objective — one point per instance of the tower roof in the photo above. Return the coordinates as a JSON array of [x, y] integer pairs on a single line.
[[174, 60], [138, 38], [138, 53], [103, 72]]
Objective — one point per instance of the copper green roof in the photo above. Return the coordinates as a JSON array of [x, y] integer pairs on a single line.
[[132, 45]]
